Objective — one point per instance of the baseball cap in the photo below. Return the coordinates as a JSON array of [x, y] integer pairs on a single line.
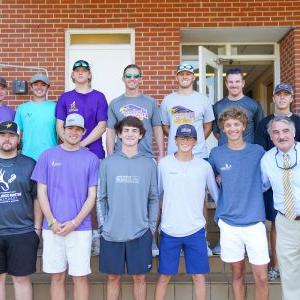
[[185, 67], [74, 120], [9, 126], [81, 63], [3, 81], [283, 87], [186, 130], [40, 77]]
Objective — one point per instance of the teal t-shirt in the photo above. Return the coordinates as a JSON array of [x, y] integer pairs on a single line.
[[37, 121]]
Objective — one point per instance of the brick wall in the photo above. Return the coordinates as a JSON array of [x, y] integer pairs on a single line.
[[32, 32]]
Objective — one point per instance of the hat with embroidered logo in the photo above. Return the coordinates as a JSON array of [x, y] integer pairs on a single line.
[[186, 130], [74, 120], [283, 87], [9, 126]]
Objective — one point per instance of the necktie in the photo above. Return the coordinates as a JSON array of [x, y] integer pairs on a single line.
[[289, 204]]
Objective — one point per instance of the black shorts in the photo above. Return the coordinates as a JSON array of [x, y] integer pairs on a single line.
[[136, 254], [18, 253]]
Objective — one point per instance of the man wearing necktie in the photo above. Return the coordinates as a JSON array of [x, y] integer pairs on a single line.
[[281, 171]]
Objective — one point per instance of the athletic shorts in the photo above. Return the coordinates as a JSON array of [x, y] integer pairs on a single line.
[[271, 212], [195, 253], [135, 254], [235, 239], [72, 252], [18, 253]]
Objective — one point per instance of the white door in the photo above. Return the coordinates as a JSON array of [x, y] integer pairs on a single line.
[[210, 81], [107, 65]]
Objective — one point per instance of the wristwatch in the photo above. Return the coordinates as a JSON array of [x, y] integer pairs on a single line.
[[51, 223]]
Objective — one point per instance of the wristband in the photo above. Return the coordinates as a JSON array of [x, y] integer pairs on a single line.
[[51, 223]]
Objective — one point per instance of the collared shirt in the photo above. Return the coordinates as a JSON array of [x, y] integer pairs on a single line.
[[272, 176]]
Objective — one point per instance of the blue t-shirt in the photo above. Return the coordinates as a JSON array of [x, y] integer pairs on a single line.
[[254, 113], [241, 197], [37, 122]]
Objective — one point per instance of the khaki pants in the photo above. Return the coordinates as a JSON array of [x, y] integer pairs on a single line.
[[288, 252]]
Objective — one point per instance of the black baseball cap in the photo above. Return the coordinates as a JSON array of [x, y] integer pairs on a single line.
[[9, 126], [81, 64], [3, 82]]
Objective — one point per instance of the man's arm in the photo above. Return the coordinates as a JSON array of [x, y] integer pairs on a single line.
[[110, 140], [45, 207], [159, 138], [88, 205], [38, 217], [165, 129], [153, 200], [212, 185], [95, 134], [207, 128], [60, 129]]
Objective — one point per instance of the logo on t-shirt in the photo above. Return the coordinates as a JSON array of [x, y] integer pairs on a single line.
[[127, 179], [226, 167], [5, 184], [134, 111], [56, 164], [182, 115], [28, 115], [73, 107]]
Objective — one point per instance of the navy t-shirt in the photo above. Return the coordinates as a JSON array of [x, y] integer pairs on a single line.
[[17, 193], [241, 197]]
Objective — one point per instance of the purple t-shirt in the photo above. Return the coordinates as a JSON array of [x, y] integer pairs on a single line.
[[68, 175], [92, 106], [6, 113]]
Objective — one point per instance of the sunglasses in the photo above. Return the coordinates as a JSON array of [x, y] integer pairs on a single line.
[[81, 63], [129, 75], [185, 67]]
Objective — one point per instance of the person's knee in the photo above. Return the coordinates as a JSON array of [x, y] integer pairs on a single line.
[[58, 278], [79, 279], [139, 279], [262, 279], [21, 280], [2, 278], [164, 279], [198, 279], [238, 272], [113, 279]]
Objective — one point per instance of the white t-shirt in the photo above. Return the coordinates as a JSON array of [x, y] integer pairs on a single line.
[[183, 184], [193, 109]]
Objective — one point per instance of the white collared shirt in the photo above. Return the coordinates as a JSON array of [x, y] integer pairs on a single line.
[[272, 175]]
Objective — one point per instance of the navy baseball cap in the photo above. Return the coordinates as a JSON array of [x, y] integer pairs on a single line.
[[283, 87], [81, 64], [186, 130], [9, 126]]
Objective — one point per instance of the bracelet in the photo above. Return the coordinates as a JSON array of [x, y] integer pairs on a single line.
[[51, 223], [37, 228]]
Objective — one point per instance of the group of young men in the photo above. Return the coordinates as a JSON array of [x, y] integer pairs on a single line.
[[58, 184]]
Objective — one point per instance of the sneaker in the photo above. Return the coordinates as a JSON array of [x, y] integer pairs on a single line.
[[273, 274], [155, 250], [217, 249], [209, 252], [95, 242]]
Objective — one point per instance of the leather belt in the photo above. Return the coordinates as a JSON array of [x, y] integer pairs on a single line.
[[296, 219]]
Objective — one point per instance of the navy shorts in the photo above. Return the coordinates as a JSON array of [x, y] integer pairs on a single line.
[[271, 212], [18, 253], [135, 254], [195, 253]]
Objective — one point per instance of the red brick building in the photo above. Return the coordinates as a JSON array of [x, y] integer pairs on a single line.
[[160, 34]]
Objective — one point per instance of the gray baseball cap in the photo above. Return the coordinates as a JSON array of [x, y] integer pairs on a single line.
[[74, 120], [40, 77]]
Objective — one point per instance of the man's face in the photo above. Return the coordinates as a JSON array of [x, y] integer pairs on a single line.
[[185, 144], [130, 136], [81, 75], [8, 142], [233, 128], [3, 92], [39, 89], [132, 79], [73, 135], [185, 79], [234, 84], [282, 100], [283, 136]]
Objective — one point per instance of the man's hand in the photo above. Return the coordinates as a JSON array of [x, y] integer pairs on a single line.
[[56, 228], [66, 228]]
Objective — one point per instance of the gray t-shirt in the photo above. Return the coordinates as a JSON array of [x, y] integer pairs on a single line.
[[193, 109], [254, 113], [142, 107], [17, 193]]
